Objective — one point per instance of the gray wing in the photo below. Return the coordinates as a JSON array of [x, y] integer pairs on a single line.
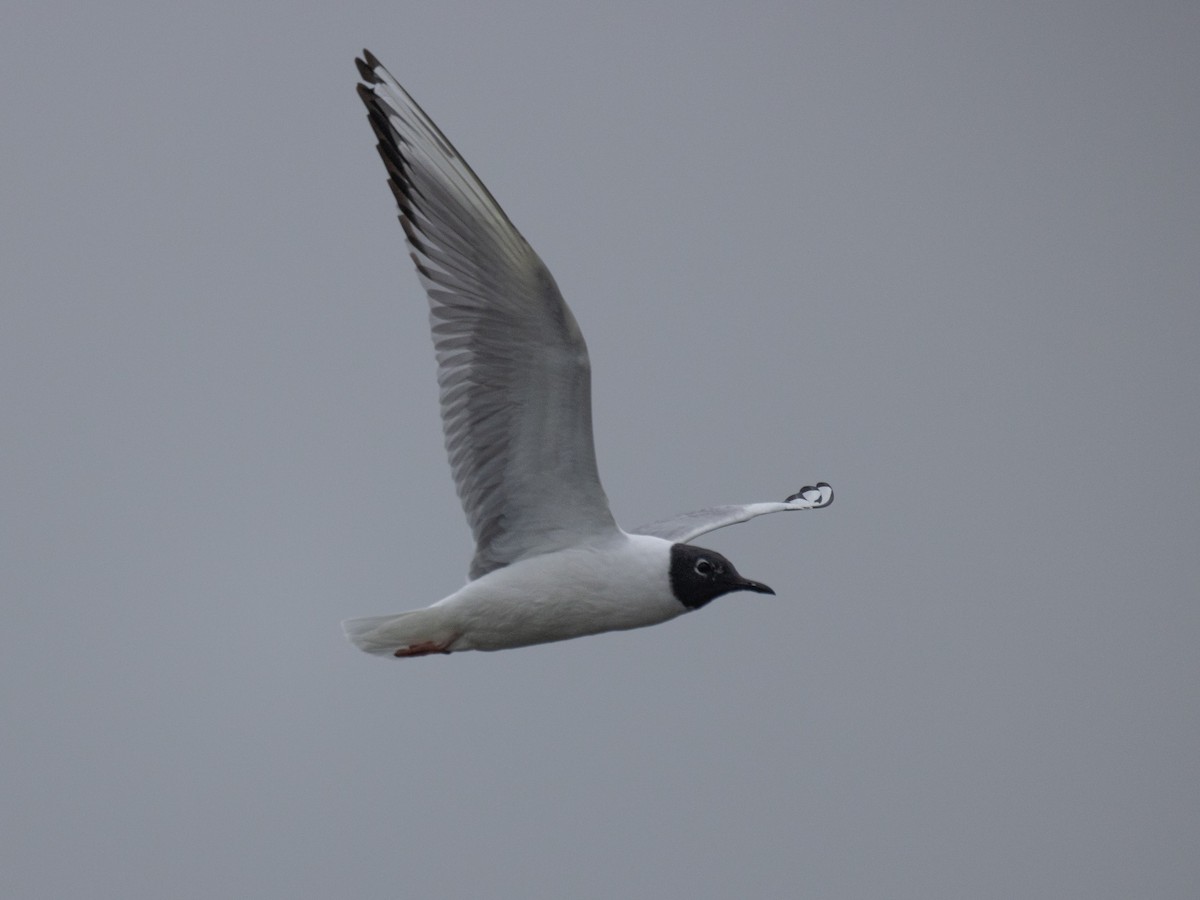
[[683, 528], [512, 364]]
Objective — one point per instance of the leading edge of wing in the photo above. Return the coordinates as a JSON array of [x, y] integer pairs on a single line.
[[513, 369], [687, 526]]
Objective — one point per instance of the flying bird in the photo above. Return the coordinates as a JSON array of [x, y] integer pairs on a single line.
[[515, 385]]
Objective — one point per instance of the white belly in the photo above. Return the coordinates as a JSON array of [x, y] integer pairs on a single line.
[[619, 585]]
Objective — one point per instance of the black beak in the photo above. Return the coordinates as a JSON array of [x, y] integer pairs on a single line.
[[745, 584]]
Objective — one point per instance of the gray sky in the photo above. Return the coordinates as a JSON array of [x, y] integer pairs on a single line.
[[942, 255]]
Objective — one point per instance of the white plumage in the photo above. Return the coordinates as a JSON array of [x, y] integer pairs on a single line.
[[610, 585]]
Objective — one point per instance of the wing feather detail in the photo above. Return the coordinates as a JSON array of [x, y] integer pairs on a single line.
[[513, 369]]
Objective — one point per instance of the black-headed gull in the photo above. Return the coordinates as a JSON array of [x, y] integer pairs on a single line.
[[550, 562]]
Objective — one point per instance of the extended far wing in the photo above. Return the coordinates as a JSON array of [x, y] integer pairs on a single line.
[[683, 528]]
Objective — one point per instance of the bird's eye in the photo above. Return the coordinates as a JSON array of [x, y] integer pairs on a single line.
[[704, 567]]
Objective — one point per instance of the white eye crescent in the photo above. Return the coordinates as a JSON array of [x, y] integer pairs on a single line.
[[703, 567]]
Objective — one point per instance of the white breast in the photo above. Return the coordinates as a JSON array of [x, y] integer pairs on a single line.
[[616, 585]]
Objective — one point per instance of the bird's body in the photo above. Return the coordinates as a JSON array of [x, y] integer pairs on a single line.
[[550, 562], [613, 584]]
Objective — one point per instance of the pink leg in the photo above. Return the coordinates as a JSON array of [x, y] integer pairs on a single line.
[[425, 648]]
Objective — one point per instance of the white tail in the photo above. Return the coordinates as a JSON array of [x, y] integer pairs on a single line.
[[422, 630]]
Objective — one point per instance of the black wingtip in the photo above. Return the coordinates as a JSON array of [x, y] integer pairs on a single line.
[[820, 487], [367, 65]]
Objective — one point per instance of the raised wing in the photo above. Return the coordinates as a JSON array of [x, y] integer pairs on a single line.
[[512, 363], [683, 528]]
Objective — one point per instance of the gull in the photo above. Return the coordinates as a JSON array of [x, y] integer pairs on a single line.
[[515, 386]]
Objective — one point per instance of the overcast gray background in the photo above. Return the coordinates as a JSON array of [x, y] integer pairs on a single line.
[[942, 255]]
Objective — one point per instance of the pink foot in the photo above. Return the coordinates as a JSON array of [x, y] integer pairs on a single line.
[[424, 649]]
